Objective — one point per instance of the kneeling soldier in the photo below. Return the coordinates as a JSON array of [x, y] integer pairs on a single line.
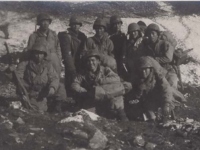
[[100, 87], [40, 79]]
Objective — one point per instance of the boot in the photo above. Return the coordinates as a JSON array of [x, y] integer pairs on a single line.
[[122, 115]]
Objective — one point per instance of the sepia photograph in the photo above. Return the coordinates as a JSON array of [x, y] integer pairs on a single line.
[[99, 75]]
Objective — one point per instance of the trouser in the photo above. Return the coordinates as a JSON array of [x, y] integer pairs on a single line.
[[49, 103], [56, 63]]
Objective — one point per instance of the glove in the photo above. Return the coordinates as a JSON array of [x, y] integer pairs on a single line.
[[127, 86], [51, 91]]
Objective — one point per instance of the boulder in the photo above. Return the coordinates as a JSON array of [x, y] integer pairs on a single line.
[[98, 141]]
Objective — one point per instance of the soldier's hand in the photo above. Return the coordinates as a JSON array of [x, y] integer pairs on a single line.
[[51, 91], [12, 68], [127, 86]]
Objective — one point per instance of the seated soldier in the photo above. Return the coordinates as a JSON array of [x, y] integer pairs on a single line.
[[101, 88], [40, 79], [153, 90]]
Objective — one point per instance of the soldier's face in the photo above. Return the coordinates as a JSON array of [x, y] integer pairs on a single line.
[[75, 27], [117, 26], [153, 36], [99, 31], [134, 34], [44, 24], [38, 57], [144, 72], [93, 64]]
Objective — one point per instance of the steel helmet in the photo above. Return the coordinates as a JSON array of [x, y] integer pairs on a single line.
[[100, 22], [115, 19], [153, 27], [145, 62], [133, 27], [92, 52], [75, 20], [43, 16], [41, 47]]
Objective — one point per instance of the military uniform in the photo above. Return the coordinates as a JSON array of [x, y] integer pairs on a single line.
[[50, 39], [154, 91], [38, 79], [101, 89], [104, 45], [162, 51]]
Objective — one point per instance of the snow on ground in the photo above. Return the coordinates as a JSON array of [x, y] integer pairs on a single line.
[[186, 30]]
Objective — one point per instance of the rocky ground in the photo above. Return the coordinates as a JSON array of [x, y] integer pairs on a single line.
[[24, 129]]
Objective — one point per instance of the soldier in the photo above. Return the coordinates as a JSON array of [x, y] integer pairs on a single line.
[[71, 43], [160, 50], [143, 26], [118, 38], [132, 47], [40, 79], [100, 87], [49, 37], [153, 90], [102, 42]]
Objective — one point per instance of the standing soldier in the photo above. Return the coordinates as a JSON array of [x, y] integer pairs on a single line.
[[118, 38], [160, 50], [71, 43], [49, 37], [132, 47], [102, 42], [143, 26]]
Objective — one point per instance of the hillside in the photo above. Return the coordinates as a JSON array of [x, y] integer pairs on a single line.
[[42, 131]]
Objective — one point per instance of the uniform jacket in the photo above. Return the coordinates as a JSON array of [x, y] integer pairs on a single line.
[[118, 40], [71, 46], [162, 52], [88, 81], [155, 90], [37, 78], [51, 39], [104, 45]]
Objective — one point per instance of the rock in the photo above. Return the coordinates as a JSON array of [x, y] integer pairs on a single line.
[[98, 141], [16, 105], [150, 146], [20, 121], [77, 118], [189, 120], [79, 149], [5, 123], [76, 133], [139, 141], [93, 116]]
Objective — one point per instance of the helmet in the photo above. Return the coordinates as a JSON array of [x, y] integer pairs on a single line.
[[100, 22], [75, 20], [145, 62], [141, 23], [115, 19], [91, 53], [40, 47], [153, 27], [133, 27], [43, 16]]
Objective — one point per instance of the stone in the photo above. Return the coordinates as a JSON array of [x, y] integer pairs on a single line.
[[20, 121], [150, 146], [139, 141], [76, 133], [93, 116], [98, 141]]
